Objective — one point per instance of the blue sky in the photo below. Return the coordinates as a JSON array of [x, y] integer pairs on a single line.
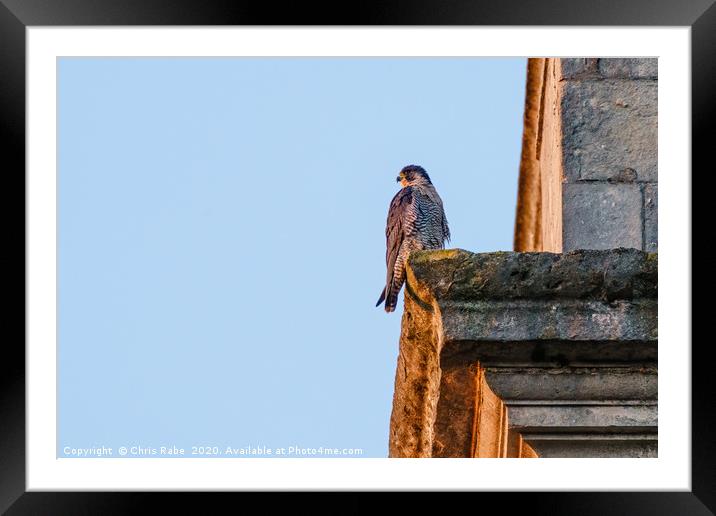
[[221, 237]]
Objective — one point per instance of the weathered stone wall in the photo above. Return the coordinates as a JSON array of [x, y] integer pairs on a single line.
[[523, 354], [589, 161]]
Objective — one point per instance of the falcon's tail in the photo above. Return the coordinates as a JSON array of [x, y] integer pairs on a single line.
[[390, 296], [382, 297], [391, 300]]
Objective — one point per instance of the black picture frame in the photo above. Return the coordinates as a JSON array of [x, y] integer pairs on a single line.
[[17, 15]]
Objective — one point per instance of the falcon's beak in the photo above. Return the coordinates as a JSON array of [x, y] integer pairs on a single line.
[[398, 179]]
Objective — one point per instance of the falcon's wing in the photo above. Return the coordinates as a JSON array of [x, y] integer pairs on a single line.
[[394, 229]]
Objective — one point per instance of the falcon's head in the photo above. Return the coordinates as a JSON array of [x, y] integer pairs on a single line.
[[413, 175]]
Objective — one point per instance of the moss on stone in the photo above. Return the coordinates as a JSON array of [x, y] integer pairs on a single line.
[[419, 257]]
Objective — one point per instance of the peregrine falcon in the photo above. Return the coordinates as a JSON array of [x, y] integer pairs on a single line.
[[416, 220]]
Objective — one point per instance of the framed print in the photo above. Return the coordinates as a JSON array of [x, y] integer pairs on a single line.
[[206, 237]]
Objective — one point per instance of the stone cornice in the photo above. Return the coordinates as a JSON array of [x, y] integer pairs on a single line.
[[605, 275]]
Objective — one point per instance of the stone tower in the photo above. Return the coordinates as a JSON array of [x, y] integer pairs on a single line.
[[588, 170], [549, 351]]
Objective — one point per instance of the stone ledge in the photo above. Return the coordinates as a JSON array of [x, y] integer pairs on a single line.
[[605, 275]]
